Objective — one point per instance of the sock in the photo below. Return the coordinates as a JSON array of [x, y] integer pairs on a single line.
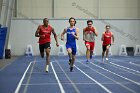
[[47, 68]]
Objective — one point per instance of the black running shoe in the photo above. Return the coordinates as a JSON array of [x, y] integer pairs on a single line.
[[71, 69]]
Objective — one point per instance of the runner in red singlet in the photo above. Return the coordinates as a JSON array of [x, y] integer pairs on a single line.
[[44, 33], [108, 39]]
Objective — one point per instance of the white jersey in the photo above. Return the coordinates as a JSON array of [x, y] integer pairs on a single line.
[[89, 34]]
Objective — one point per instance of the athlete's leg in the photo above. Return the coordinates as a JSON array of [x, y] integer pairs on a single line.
[[104, 50], [72, 63], [47, 58], [92, 44], [91, 53], [107, 51], [88, 50], [47, 51], [69, 50], [41, 48]]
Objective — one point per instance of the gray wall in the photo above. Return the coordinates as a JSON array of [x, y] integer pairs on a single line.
[[22, 33], [0, 6], [102, 9]]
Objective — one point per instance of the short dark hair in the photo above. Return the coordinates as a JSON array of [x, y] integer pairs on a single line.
[[72, 18], [45, 19], [107, 26], [89, 21]]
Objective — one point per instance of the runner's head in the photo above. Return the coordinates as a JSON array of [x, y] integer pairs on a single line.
[[72, 21], [45, 21], [107, 27], [89, 23]]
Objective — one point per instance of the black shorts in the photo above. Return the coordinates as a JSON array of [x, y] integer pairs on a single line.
[[44, 46], [104, 47]]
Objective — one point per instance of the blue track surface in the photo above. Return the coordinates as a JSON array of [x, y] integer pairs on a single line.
[[27, 75]]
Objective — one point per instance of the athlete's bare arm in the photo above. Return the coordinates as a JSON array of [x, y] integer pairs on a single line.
[[62, 35], [37, 33], [55, 37], [77, 34], [112, 38], [102, 36], [96, 33], [84, 34]]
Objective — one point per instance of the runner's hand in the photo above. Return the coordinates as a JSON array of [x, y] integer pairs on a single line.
[[57, 44], [73, 33]]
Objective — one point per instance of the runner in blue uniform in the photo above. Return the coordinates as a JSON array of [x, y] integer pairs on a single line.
[[72, 34]]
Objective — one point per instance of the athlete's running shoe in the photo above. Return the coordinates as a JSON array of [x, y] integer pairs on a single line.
[[106, 59], [87, 61], [90, 56], [71, 69]]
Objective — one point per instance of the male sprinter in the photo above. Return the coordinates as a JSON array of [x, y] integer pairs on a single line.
[[44, 33], [89, 34], [72, 34], [107, 38]]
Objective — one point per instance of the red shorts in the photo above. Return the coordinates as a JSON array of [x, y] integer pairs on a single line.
[[90, 44]]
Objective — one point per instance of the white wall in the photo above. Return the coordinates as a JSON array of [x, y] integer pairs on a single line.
[[22, 33], [106, 9]]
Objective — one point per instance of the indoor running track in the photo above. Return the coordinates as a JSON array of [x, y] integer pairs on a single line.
[[27, 75]]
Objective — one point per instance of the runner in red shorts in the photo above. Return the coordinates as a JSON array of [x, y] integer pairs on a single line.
[[89, 34], [108, 39]]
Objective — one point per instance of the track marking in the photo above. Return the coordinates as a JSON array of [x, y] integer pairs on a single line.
[[75, 87], [59, 83], [134, 64], [28, 80], [120, 68], [124, 67], [117, 74], [44, 84], [21, 80], [107, 90], [8, 64], [116, 82]]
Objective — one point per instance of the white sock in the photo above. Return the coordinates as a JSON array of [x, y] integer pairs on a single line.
[[47, 68]]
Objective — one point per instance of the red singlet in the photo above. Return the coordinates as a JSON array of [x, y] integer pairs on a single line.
[[47, 32], [107, 38]]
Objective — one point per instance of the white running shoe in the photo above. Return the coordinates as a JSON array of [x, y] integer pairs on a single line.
[[106, 59]]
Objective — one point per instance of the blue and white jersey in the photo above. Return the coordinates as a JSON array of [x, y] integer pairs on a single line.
[[70, 38]]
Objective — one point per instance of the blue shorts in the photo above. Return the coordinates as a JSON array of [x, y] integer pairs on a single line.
[[73, 48]]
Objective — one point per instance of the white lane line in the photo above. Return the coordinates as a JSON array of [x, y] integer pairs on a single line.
[[21, 80], [124, 67], [59, 83], [73, 84], [107, 90], [29, 78], [126, 62], [43, 84], [127, 71], [117, 74], [77, 72], [134, 64], [75, 87], [42, 61], [115, 82]]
